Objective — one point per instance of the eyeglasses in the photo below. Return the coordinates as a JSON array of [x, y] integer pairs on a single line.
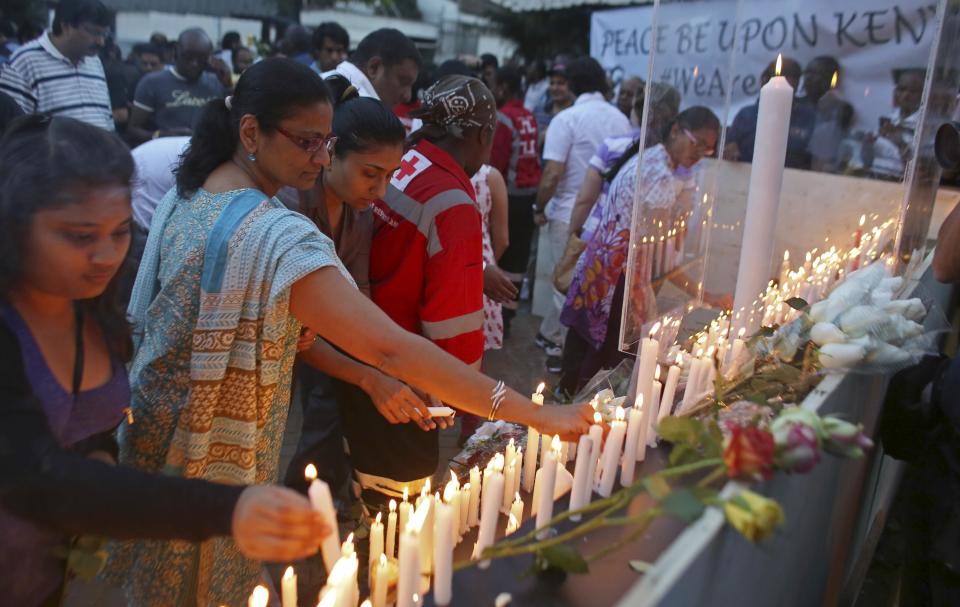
[[700, 146], [311, 145]]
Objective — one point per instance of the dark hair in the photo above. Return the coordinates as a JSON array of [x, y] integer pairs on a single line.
[[28, 30], [391, 45], [46, 163], [237, 50], [8, 29], [230, 40], [489, 59], [585, 75], [511, 78], [452, 67], [362, 123], [75, 12], [693, 118], [297, 39], [333, 31], [271, 90], [829, 62], [147, 48]]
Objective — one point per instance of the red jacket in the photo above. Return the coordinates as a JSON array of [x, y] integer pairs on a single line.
[[514, 150], [426, 262]]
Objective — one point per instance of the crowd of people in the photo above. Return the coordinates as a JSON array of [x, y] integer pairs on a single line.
[[350, 219]]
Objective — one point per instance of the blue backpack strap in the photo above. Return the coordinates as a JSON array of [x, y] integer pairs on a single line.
[[215, 254]]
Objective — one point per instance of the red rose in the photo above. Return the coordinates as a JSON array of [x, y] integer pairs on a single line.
[[749, 452]]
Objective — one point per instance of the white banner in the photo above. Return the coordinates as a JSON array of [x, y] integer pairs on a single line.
[[698, 45]]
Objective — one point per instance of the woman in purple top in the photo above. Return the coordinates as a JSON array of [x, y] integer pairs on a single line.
[[65, 220]]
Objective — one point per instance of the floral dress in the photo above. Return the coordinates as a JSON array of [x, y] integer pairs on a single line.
[[492, 311], [587, 308]]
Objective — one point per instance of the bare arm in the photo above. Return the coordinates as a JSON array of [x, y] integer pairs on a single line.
[[499, 227], [549, 180], [946, 257], [326, 303], [586, 199]]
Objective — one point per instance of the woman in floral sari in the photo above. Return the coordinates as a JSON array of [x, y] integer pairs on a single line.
[[666, 185], [227, 278]]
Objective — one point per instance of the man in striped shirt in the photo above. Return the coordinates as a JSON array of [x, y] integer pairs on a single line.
[[59, 73]]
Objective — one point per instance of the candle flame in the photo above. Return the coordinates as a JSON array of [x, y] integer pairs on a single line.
[[349, 538], [656, 374], [466, 487], [679, 359], [779, 64], [516, 499], [383, 560], [654, 329], [379, 517], [453, 476], [620, 414], [512, 522], [597, 418], [310, 472], [393, 505], [426, 488], [741, 332], [406, 493], [786, 255], [288, 574], [416, 597], [834, 79], [259, 597], [541, 387], [555, 443], [638, 404], [863, 219]]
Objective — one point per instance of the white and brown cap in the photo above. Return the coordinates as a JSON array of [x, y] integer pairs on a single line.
[[456, 103]]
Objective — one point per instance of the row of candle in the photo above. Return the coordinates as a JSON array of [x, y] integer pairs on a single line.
[[662, 252]]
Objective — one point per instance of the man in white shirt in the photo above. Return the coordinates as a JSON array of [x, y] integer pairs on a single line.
[[155, 161], [572, 138], [384, 66]]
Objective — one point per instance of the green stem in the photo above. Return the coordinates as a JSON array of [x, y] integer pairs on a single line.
[[709, 479], [643, 521]]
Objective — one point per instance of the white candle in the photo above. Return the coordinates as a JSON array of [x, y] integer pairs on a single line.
[[596, 439], [288, 588], [611, 454], [670, 389], [427, 503], [650, 431], [259, 597], [406, 509], [516, 508], [634, 442], [518, 472], [376, 540], [473, 509], [392, 529], [509, 475], [646, 366], [533, 445], [513, 523], [452, 490], [443, 541], [322, 502], [328, 597], [547, 479], [763, 199], [785, 268], [490, 508], [582, 483], [736, 352], [464, 509], [381, 582], [408, 581]]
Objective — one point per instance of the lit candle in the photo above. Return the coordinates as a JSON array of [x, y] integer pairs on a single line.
[[408, 580], [376, 540], [406, 509], [533, 445], [259, 597], [611, 453], [547, 479], [654, 416], [443, 542], [858, 235], [670, 389], [465, 495], [690, 393], [381, 582], [473, 509], [288, 588], [516, 509], [634, 442], [392, 529], [582, 481], [763, 199], [427, 503], [785, 268], [596, 438], [736, 352], [518, 471], [322, 502], [509, 473], [491, 496], [649, 351]]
